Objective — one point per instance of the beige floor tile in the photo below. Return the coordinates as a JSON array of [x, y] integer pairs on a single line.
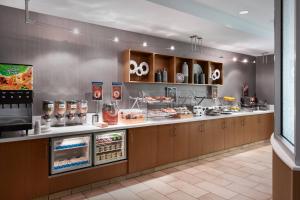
[[240, 197], [77, 196], [144, 178], [124, 194], [211, 196], [158, 174], [262, 180], [252, 165], [225, 163], [205, 176], [193, 164], [112, 187], [248, 192], [188, 178], [191, 171], [264, 188], [182, 167], [151, 195], [93, 192], [167, 179], [160, 187], [218, 190], [180, 196], [221, 181], [129, 182], [188, 188], [239, 180], [232, 171], [170, 170], [138, 187], [213, 171], [105, 196]]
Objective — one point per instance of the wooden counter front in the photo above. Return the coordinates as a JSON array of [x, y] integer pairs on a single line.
[[24, 165]]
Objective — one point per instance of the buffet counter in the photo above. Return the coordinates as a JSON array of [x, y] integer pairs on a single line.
[[88, 128], [85, 156]]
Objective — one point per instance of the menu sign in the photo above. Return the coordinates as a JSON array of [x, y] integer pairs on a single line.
[[15, 77], [116, 91], [97, 91]]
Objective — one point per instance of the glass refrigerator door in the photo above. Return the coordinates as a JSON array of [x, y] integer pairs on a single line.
[[70, 153], [109, 147]]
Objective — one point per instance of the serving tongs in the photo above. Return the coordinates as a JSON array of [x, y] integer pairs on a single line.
[[199, 100]]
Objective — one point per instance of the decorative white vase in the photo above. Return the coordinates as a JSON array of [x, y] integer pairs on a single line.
[[185, 71]]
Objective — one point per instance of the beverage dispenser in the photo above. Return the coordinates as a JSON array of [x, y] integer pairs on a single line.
[[15, 97]]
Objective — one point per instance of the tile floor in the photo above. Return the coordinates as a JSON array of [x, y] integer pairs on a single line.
[[243, 174]]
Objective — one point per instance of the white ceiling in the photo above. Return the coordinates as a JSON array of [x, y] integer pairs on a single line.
[[217, 21]]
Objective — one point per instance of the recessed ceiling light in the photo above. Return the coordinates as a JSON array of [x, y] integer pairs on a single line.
[[245, 60], [234, 59], [145, 44], [244, 12], [172, 48], [75, 31], [116, 39]]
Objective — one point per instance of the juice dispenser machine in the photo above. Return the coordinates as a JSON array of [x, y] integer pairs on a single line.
[[15, 97]]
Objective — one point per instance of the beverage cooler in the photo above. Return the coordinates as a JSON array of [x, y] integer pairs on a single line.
[[70, 153], [109, 147]]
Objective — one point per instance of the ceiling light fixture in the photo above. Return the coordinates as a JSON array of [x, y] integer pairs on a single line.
[[116, 39], [172, 48], [75, 31], [145, 44], [197, 43], [234, 59], [244, 12], [245, 60]]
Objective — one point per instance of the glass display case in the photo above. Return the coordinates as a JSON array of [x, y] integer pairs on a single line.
[[70, 153], [109, 147]]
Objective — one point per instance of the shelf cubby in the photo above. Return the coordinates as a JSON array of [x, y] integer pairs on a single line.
[[204, 66], [138, 57], [213, 66], [178, 66], [167, 62]]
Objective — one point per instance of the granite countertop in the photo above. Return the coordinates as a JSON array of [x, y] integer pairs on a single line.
[[88, 128]]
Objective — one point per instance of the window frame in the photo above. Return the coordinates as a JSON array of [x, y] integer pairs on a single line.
[[292, 149]]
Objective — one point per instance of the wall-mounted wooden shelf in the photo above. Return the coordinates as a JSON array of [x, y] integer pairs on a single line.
[[172, 64], [162, 62]]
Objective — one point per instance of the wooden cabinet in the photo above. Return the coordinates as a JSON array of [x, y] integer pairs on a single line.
[[240, 130], [213, 136], [172, 143], [142, 146], [230, 134], [165, 144], [266, 126], [181, 141], [250, 129], [218, 128], [24, 168], [197, 130]]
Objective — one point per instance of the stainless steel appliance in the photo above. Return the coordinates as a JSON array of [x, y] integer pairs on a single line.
[[70, 153], [15, 97], [109, 147]]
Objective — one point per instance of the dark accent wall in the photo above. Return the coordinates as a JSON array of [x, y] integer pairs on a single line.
[[65, 64], [265, 81]]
